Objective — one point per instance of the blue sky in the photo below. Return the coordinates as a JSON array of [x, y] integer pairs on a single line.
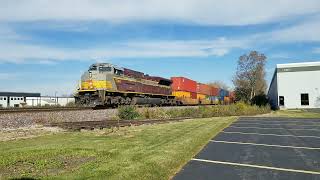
[[46, 45]]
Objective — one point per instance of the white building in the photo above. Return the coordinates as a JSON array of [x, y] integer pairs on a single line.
[[295, 86], [14, 99], [49, 101], [21, 99]]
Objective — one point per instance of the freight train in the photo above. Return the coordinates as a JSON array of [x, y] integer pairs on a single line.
[[106, 85]]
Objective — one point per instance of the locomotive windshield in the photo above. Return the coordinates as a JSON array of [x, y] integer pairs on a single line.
[[93, 68], [104, 69]]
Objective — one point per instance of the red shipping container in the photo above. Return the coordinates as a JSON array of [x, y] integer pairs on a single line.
[[193, 95], [203, 89], [215, 91], [183, 84]]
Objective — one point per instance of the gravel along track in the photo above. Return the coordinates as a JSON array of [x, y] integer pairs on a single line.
[[30, 118], [19, 110], [91, 125], [25, 119]]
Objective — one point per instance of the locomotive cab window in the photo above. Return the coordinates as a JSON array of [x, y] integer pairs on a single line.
[[118, 72], [104, 69], [305, 99], [93, 68]]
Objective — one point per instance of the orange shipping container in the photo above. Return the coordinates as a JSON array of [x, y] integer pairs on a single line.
[[203, 89]]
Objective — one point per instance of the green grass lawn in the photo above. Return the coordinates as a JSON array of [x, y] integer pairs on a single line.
[[295, 114], [143, 152]]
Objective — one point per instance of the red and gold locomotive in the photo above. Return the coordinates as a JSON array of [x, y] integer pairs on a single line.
[[107, 85]]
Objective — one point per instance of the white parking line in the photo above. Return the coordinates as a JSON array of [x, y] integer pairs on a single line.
[[267, 145], [239, 121], [257, 166], [263, 124], [259, 134], [276, 128]]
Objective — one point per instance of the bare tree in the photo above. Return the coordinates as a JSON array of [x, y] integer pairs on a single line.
[[249, 80], [219, 84]]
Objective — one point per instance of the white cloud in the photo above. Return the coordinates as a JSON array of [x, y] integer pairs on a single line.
[[305, 31], [316, 50], [212, 12], [20, 53]]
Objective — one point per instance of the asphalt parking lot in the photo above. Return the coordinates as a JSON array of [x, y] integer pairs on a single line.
[[259, 148]]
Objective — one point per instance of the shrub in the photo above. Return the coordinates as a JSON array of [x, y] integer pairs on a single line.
[[260, 100], [128, 112], [239, 109], [154, 113]]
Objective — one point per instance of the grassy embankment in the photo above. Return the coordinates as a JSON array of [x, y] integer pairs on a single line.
[[295, 113], [143, 152]]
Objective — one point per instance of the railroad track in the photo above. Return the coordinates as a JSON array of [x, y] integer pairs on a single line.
[[91, 125], [18, 110]]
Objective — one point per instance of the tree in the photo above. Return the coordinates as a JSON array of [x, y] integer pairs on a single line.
[[219, 84], [249, 80]]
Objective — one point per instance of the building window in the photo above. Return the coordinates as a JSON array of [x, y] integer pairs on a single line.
[[0, 98], [11, 99], [305, 99], [4, 98], [281, 100]]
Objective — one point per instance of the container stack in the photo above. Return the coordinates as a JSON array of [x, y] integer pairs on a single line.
[[185, 89], [203, 93], [214, 95], [224, 96], [191, 92]]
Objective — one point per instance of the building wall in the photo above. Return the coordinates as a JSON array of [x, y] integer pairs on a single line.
[[273, 92], [15, 101], [292, 84], [3, 101]]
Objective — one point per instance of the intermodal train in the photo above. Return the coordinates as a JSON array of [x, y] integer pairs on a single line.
[[107, 85]]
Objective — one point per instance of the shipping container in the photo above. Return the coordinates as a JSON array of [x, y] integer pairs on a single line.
[[203, 89], [214, 99], [221, 98], [205, 101], [201, 96], [193, 95], [214, 91], [183, 94], [226, 100], [190, 101], [223, 93], [183, 84]]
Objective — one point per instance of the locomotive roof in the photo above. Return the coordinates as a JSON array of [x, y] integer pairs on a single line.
[[23, 94], [107, 64]]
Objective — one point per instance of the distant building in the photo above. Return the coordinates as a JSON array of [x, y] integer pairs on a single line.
[[21, 99], [49, 101], [295, 86], [15, 99]]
